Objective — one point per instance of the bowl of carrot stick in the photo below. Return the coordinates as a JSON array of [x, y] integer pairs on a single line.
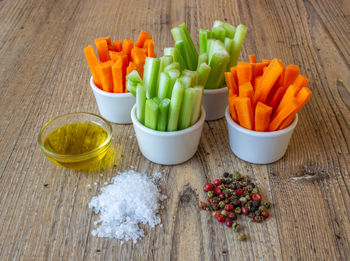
[[109, 68], [264, 99]]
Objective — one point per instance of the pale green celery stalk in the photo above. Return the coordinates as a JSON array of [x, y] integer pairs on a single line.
[[218, 23], [203, 58], [238, 41], [189, 39], [164, 85], [151, 114], [131, 87], [215, 46], [186, 81], [187, 53], [156, 99], [150, 76], [173, 75], [229, 30], [134, 77], [218, 66], [175, 106], [219, 33], [163, 114], [197, 103], [181, 54], [164, 61], [203, 73], [172, 66], [203, 37], [193, 75], [228, 47], [169, 51], [209, 35], [186, 109], [140, 103]]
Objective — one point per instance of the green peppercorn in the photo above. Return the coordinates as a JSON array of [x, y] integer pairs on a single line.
[[242, 183], [221, 204], [222, 187], [236, 175], [255, 190], [241, 237], [243, 200], [224, 213], [236, 227], [249, 188], [246, 193], [267, 204], [262, 208], [210, 194], [247, 197], [238, 210], [228, 191]]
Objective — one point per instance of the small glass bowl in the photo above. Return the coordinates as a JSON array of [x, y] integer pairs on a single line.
[[90, 160]]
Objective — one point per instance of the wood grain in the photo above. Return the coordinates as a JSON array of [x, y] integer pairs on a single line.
[[44, 209]]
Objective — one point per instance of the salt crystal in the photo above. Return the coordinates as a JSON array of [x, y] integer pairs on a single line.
[[131, 199]]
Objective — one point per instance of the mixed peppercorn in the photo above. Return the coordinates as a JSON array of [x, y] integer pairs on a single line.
[[235, 195]]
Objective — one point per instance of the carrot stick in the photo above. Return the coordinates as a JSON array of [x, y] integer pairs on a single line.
[[244, 112], [92, 61], [257, 82], [262, 116], [105, 70], [102, 50], [118, 55], [132, 66], [150, 49], [127, 47], [231, 84], [244, 73], [138, 56], [117, 73], [275, 87], [117, 46], [270, 76], [231, 106], [266, 61], [289, 95], [289, 109], [246, 90], [291, 72], [301, 81], [143, 36], [259, 69], [275, 100], [234, 74], [107, 39], [252, 58]]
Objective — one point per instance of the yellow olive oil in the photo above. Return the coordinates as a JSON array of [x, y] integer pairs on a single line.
[[74, 143]]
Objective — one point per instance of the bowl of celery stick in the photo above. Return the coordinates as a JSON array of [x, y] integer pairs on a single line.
[[219, 50], [168, 117]]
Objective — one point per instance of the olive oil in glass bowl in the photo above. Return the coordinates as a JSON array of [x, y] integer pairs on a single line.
[[78, 141]]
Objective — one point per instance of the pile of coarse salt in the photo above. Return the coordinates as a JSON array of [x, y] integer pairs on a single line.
[[130, 199]]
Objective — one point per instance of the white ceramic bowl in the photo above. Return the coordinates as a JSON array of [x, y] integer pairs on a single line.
[[168, 148], [215, 102], [115, 107], [258, 147]]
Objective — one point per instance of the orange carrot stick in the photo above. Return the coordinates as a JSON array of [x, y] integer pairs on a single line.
[[143, 36], [289, 109], [252, 58], [117, 72], [150, 48], [289, 95], [231, 106], [246, 90], [301, 81], [274, 88], [291, 72], [105, 70], [262, 116], [259, 69], [266, 61], [244, 73], [231, 83], [127, 47], [102, 50], [92, 61], [107, 39], [275, 100], [257, 82], [138, 56], [117, 46], [132, 66], [234, 74], [118, 55], [244, 112]]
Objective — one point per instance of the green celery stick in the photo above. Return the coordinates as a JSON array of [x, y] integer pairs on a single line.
[[131, 87], [169, 51], [150, 76], [134, 77], [203, 58], [229, 30], [173, 75], [193, 75], [218, 23], [164, 61], [228, 47], [175, 106], [209, 35], [151, 114], [174, 65], [181, 54], [156, 99], [203, 37], [189, 39], [140, 103], [238, 41], [203, 73], [197, 103], [163, 114], [164, 85], [186, 109], [218, 66], [186, 81], [219, 33]]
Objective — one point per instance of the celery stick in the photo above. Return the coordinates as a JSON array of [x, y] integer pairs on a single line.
[[181, 55], [203, 37], [203, 73], [186, 81], [209, 35], [134, 77], [175, 106], [174, 65], [219, 33], [197, 103], [238, 41], [164, 85], [186, 109], [218, 23], [156, 100], [218, 66], [169, 51], [173, 75], [203, 58], [228, 47], [189, 40], [229, 30], [151, 114], [131, 87], [164, 62], [163, 114], [150, 76], [140, 103], [193, 75]]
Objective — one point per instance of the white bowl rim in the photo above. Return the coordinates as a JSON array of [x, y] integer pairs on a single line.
[[108, 94], [168, 133], [260, 133], [216, 91]]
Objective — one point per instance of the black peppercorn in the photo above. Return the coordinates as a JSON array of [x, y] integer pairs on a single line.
[[236, 202], [226, 175], [255, 203]]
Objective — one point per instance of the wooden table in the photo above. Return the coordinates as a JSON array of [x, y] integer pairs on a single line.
[[43, 73]]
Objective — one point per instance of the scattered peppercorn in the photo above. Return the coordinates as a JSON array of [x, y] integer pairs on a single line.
[[245, 210], [208, 187], [241, 237], [210, 194], [232, 216], [267, 205], [236, 227], [229, 223], [256, 196], [216, 190], [226, 174], [220, 218], [217, 182]]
